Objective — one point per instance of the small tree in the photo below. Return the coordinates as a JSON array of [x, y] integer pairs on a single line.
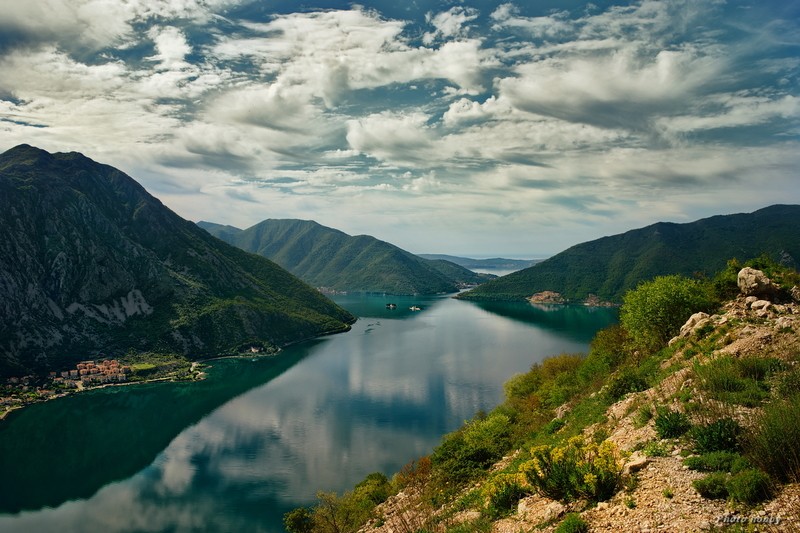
[[653, 312], [298, 521]]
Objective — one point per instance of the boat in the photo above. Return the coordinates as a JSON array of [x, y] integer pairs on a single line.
[[415, 308], [391, 306]]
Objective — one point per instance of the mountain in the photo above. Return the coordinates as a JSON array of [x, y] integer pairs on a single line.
[[329, 258], [90, 264], [495, 263], [609, 266]]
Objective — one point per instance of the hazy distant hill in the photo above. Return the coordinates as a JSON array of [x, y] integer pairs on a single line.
[[495, 263], [326, 257], [91, 263], [610, 266]]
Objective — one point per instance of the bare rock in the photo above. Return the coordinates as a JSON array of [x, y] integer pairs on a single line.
[[537, 509], [795, 292], [760, 304], [635, 462], [753, 282], [695, 322]]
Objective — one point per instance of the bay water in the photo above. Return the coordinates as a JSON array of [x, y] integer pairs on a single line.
[[261, 435]]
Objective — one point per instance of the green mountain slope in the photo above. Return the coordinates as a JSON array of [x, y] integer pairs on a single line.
[[91, 263], [610, 266], [326, 257]]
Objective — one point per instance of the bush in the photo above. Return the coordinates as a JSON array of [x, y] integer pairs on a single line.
[[465, 453], [774, 443], [553, 426], [298, 521], [717, 462], [626, 381], [655, 449], [503, 494], [579, 469], [750, 486], [573, 523], [713, 486], [718, 436], [414, 474], [671, 424], [654, 311], [740, 381], [375, 488]]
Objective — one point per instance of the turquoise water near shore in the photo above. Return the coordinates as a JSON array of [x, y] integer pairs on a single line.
[[261, 435]]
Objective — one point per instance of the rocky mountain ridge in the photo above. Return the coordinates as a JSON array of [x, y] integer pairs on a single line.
[[92, 264]]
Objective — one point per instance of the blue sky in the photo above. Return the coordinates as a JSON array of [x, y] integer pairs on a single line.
[[472, 128]]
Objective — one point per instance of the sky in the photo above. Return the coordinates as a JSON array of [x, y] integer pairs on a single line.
[[471, 128]]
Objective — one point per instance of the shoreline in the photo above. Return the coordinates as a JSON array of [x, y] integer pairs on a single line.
[[198, 376]]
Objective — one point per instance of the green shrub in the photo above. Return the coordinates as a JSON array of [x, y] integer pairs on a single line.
[[503, 494], [774, 443], [654, 311], [718, 436], [671, 424], [579, 469], [298, 521], [643, 415], [627, 380], [553, 426], [750, 486], [607, 352], [375, 488], [467, 452], [789, 383], [573, 523], [655, 449], [722, 461], [739, 381], [713, 486], [759, 368]]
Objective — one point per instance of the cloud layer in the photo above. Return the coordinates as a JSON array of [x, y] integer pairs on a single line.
[[482, 130]]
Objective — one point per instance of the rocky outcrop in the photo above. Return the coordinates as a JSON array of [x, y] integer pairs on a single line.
[[753, 282], [547, 297]]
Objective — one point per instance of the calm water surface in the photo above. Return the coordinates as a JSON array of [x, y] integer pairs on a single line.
[[261, 436]]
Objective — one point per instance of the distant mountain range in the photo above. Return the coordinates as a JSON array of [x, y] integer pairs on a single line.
[[495, 263], [331, 259], [610, 266], [91, 264]]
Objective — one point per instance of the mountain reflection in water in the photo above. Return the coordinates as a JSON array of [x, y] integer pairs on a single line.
[[261, 436]]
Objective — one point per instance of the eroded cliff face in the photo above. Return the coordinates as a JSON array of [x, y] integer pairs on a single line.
[[91, 263]]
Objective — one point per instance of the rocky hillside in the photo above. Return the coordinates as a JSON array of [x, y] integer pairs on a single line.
[[329, 258], [695, 434], [90, 264], [665, 450], [604, 269]]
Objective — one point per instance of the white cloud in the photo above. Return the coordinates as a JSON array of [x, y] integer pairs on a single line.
[[623, 89], [736, 111], [329, 53], [449, 23], [171, 47], [97, 23]]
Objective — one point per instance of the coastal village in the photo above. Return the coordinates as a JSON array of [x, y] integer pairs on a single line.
[[89, 373], [20, 391], [17, 392]]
